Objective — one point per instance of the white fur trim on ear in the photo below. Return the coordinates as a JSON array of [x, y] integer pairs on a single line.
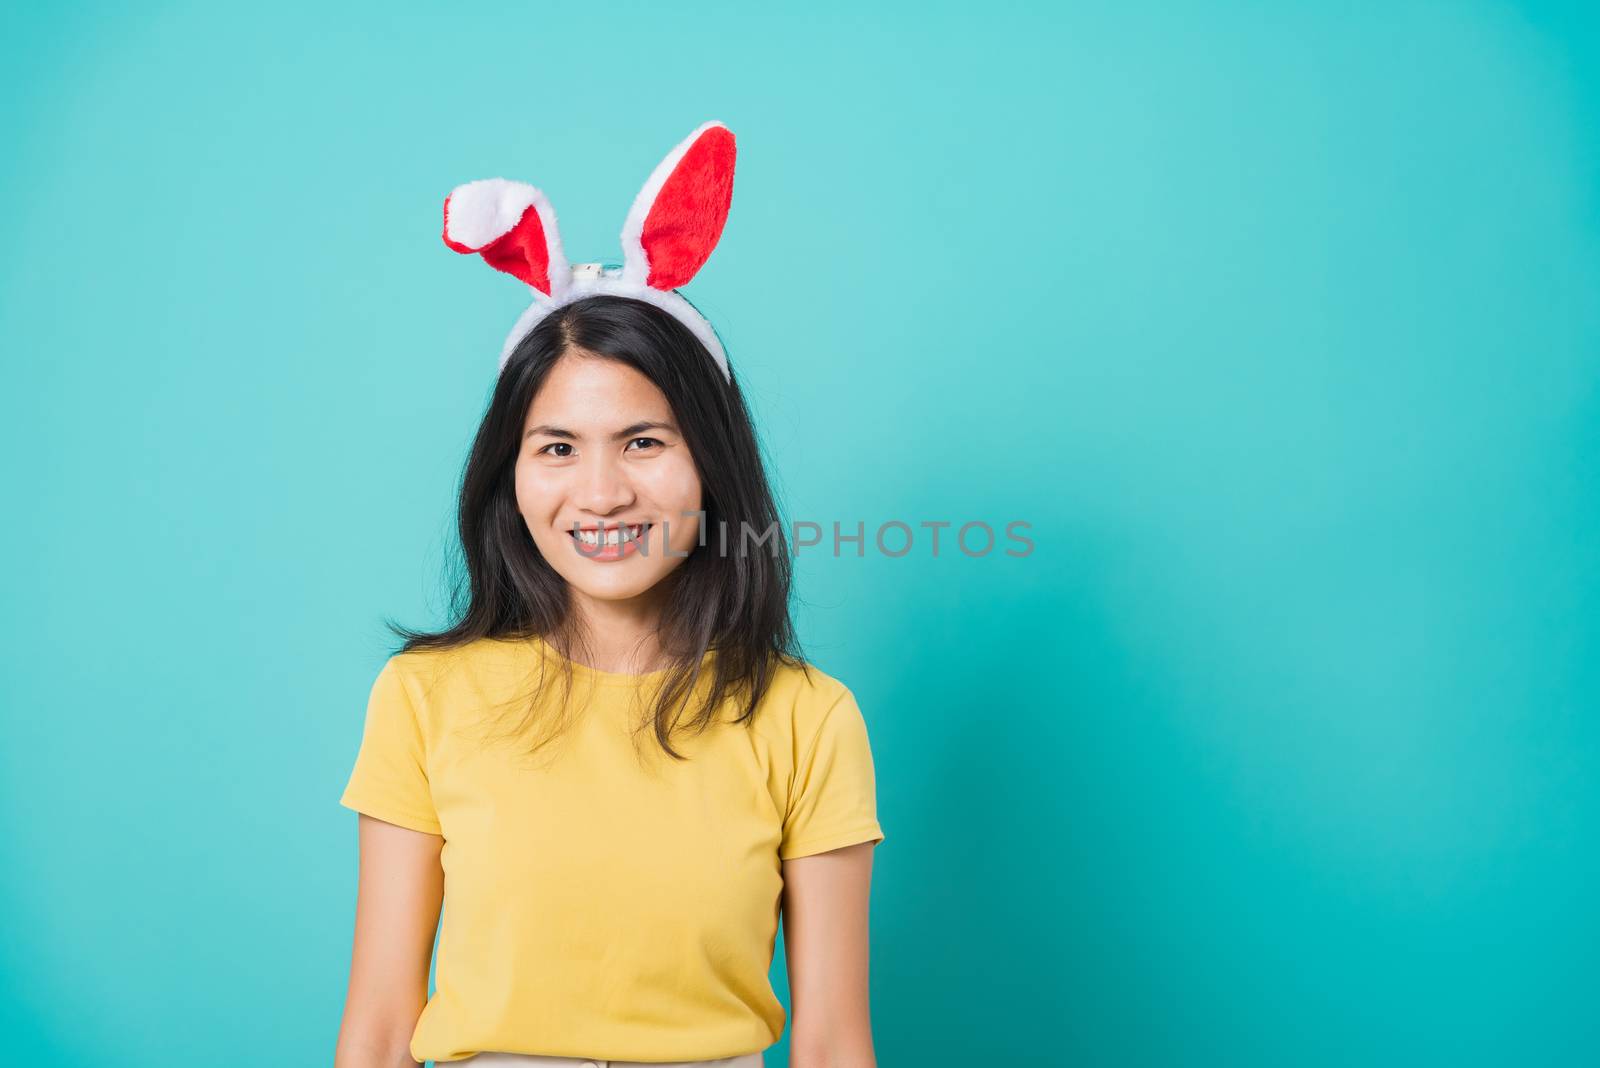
[[635, 264], [482, 211]]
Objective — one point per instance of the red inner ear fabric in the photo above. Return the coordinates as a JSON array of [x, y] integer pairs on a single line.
[[688, 214], [520, 251]]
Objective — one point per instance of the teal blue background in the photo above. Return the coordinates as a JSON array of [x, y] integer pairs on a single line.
[[1280, 327]]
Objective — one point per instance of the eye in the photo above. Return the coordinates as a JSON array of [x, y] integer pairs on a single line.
[[557, 445], [651, 440]]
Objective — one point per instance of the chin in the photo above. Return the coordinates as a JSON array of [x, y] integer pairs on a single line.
[[621, 588]]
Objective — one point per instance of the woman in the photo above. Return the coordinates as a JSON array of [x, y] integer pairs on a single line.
[[614, 768]]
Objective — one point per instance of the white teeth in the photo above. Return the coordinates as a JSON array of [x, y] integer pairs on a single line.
[[613, 535]]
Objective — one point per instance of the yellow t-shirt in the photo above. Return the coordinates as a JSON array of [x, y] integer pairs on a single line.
[[602, 900]]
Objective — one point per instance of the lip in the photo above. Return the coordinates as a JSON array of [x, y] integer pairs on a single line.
[[624, 548]]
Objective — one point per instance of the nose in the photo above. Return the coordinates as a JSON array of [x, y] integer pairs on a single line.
[[603, 486]]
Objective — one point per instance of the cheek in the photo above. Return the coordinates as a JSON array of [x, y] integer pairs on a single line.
[[674, 491], [673, 488], [538, 496]]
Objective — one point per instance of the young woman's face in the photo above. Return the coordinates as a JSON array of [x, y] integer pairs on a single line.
[[601, 449]]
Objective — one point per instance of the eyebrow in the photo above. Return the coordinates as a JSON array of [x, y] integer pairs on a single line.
[[626, 432]]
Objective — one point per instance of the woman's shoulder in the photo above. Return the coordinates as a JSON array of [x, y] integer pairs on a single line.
[[799, 697], [431, 666], [803, 682]]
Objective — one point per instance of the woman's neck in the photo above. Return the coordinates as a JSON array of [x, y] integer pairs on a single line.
[[619, 636]]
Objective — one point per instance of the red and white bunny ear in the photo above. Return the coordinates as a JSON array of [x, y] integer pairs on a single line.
[[513, 227], [678, 216]]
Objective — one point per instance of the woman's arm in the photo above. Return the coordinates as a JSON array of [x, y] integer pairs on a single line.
[[825, 898], [400, 890]]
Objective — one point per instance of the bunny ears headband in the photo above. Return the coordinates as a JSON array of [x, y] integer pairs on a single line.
[[670, 231]]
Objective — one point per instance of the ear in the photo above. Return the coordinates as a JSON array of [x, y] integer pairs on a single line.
[[677, 217], [512, 226]]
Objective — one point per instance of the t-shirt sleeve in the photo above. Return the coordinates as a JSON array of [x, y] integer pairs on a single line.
[[834, 799], [390, 778]]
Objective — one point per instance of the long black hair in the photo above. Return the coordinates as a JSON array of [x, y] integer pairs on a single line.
[[734, 605]]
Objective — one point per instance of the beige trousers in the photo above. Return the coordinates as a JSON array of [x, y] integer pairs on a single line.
[[535, 1060]]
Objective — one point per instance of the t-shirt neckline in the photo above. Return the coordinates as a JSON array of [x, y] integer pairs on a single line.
[[602, 678]]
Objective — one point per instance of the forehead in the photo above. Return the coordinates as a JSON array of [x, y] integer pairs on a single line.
[[593, 391]]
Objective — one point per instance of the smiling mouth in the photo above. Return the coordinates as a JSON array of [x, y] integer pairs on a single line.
[[611, 536]]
